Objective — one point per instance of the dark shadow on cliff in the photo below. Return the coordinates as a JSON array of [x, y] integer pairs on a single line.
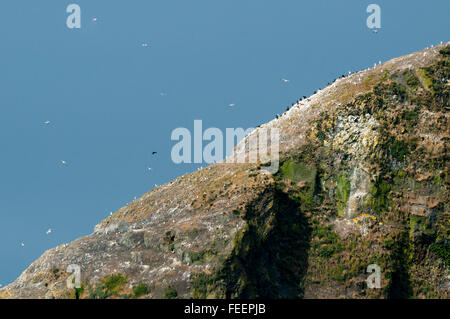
[[270, 258], [400, 283]]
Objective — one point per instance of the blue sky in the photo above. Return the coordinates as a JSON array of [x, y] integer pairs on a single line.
[[100, 88]]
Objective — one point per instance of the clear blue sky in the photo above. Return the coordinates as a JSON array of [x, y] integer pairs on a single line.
[[100, 88]]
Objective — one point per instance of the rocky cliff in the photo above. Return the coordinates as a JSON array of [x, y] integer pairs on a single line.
[[363, 179]]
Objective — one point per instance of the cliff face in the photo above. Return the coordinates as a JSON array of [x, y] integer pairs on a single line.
[[363, 180]]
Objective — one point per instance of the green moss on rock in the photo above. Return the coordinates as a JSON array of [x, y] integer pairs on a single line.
[[342, 193]]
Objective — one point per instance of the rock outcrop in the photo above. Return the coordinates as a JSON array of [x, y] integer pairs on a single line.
[[363, 180]]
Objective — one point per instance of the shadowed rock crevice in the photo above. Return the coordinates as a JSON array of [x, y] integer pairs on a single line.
[[270, 257], [399, 286]]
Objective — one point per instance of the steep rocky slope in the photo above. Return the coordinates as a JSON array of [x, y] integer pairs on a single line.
[[363, 180]]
